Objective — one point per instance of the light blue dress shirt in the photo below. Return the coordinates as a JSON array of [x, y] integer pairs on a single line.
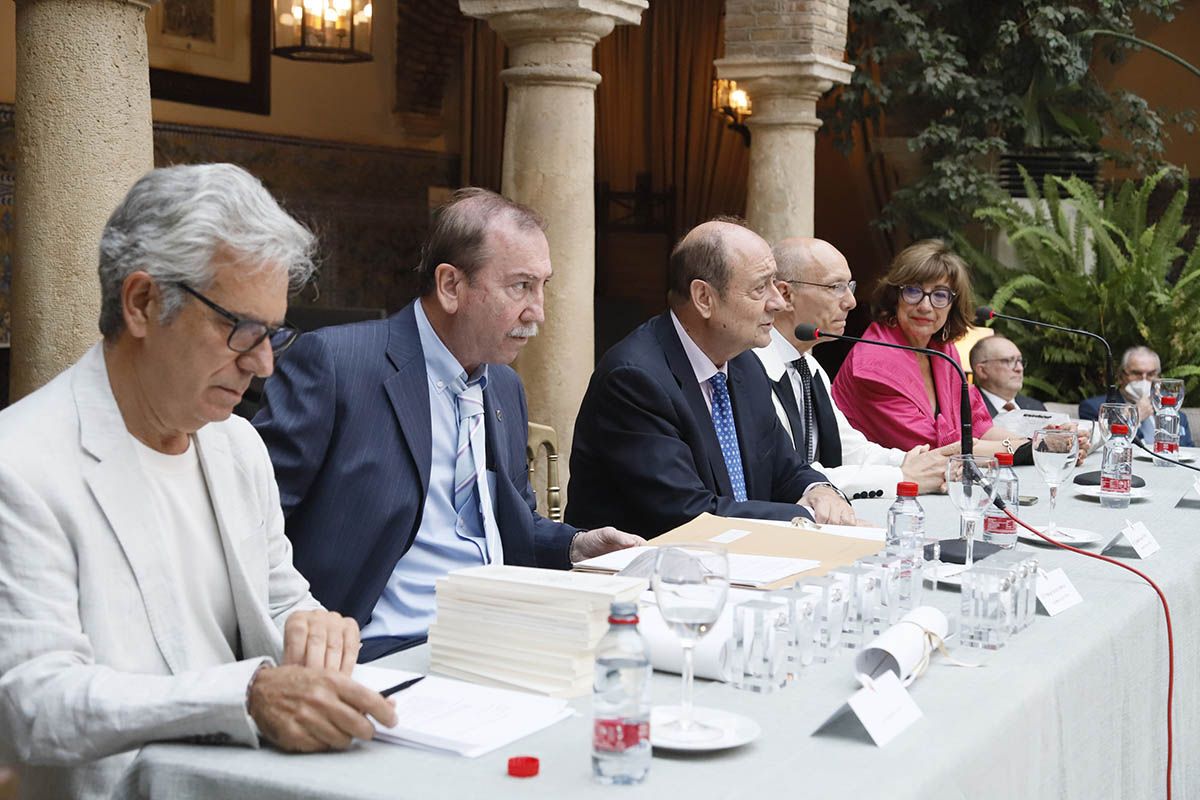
[[445, 540]]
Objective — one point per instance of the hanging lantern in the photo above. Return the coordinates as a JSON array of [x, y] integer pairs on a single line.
[[337, 31]]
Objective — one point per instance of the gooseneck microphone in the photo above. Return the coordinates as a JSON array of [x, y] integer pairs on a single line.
[[810, 333], [983, 314]]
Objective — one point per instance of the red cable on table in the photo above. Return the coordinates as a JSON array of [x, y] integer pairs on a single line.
[[1166, 613]]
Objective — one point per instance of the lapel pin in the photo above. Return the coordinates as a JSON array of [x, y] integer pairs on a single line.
[[499, 416]]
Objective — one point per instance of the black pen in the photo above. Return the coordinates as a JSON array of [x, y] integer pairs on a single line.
[[399, 687]]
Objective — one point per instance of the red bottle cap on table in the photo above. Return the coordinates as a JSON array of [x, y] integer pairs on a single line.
[[907, 489], [1121, 430], [1004, 459], [523, 766]]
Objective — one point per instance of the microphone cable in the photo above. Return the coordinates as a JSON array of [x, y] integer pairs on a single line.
[[1166, 614], [1164, 458]]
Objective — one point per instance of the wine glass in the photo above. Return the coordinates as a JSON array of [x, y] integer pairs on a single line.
[[690, 584], [1122, 413], [1166, 387], [971, 484], [1055, 451]]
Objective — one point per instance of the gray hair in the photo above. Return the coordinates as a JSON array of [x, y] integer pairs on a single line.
[[175, 220], [458, 235], [1138, 350]]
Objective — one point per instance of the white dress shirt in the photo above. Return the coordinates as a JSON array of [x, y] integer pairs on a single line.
[[996, 400], [866, 466]]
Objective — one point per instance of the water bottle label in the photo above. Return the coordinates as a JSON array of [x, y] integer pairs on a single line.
[[1173, 448], [1114, 485], [1166, 447], [999, 524], [617, 736]]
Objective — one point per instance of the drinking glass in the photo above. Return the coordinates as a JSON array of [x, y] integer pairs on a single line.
[[691, 582], [1122, 413], [1054, 453], [971, 484], [1166, 387]]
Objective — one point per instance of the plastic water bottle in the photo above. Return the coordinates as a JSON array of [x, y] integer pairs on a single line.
[[999, 528], [1166, 432], [621, 701], [906, 540], [1116, 470]]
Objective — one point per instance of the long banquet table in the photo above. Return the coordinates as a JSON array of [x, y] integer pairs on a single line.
[[1072, 707]]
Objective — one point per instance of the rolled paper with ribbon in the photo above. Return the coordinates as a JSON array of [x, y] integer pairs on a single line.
[[904, 648]]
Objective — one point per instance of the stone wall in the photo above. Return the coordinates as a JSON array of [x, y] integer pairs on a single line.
[[768, 29]]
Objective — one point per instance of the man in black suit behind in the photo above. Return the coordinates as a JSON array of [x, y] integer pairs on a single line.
[[678, 418], [999, 371]]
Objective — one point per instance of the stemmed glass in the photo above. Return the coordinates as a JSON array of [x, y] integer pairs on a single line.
[[1166, 387], [1055, 451], [1122, 413], [690, 584], [971, 484]]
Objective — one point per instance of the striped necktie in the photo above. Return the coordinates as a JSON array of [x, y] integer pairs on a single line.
[[810, 418], [468, 459]]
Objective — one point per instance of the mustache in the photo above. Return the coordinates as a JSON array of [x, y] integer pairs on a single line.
[[524, 331]]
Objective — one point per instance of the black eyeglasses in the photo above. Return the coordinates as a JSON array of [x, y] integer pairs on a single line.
[[839, 289], [248, 334], [939, 297]]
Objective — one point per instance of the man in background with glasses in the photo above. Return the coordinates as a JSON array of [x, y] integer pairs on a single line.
[[999, 372], [1139, 366], [817, 289], [146, 586]]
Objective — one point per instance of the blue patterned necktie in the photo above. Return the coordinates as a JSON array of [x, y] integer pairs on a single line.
[[722, 415]]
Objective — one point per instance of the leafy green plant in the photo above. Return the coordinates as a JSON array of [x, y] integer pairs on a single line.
[[967, 81], [1132, 295]]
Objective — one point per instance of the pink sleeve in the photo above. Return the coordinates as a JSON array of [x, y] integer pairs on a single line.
[[878, 411]]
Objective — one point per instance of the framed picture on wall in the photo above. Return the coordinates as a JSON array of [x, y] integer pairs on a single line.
[[211, 53]]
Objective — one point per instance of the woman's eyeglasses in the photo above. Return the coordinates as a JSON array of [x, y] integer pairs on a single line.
[[939, 296]]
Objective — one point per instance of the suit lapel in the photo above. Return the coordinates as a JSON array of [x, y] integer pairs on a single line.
[[787, 398], [743, 422], [236, 519], [685, 377], [114, 479], [408, 390]]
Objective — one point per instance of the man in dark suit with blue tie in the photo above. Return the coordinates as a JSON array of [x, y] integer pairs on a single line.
[[678, 418], [399, 444]]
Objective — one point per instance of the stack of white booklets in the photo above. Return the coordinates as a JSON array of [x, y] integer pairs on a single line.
[[524, 628]]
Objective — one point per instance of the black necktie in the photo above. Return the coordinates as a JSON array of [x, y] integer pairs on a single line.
[[806, 390]]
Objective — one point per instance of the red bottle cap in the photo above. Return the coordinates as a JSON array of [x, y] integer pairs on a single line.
[[523, 766], [907, 489], [1168, 401], [1121, 430], [1004, 459]]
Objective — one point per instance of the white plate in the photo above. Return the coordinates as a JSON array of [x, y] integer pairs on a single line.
[[1094, 491], [1186, 455], [736, 730], [1071, 536], [948, 574]]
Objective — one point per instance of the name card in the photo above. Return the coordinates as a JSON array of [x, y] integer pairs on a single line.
[[884, 707], [1055, 591], [1196, 485], [731, 535], [1139, 538]]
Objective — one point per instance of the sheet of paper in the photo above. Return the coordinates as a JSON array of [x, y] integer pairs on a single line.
[[1055, 591], [1024, 421], [884, 707], [845, 531], [731, 535], [1138, 536], [744, 569], [460, 717]]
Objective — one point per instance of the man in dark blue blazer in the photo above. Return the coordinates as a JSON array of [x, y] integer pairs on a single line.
[[381, 432], [1139, 366], [678, 418]]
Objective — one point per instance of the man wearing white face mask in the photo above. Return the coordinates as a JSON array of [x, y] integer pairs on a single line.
[[1139, 366]]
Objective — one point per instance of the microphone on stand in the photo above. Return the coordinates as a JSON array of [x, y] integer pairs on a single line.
[[810, 333], [983, 314]]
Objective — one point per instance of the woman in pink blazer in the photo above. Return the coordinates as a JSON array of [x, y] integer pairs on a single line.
[[900, 399]]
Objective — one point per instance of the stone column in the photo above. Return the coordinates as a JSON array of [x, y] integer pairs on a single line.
[[785, 55], [83, 137], [549, 164]]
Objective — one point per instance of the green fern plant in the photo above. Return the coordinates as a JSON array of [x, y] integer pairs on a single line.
[[1129, 296]]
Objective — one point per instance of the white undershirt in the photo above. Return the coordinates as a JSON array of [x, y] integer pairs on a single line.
[[192, 554]]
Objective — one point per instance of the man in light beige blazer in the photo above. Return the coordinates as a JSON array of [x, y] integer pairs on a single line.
[[146, 588]]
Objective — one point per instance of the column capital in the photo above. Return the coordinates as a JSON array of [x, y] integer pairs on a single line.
[[809, 75], [627, 12]]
